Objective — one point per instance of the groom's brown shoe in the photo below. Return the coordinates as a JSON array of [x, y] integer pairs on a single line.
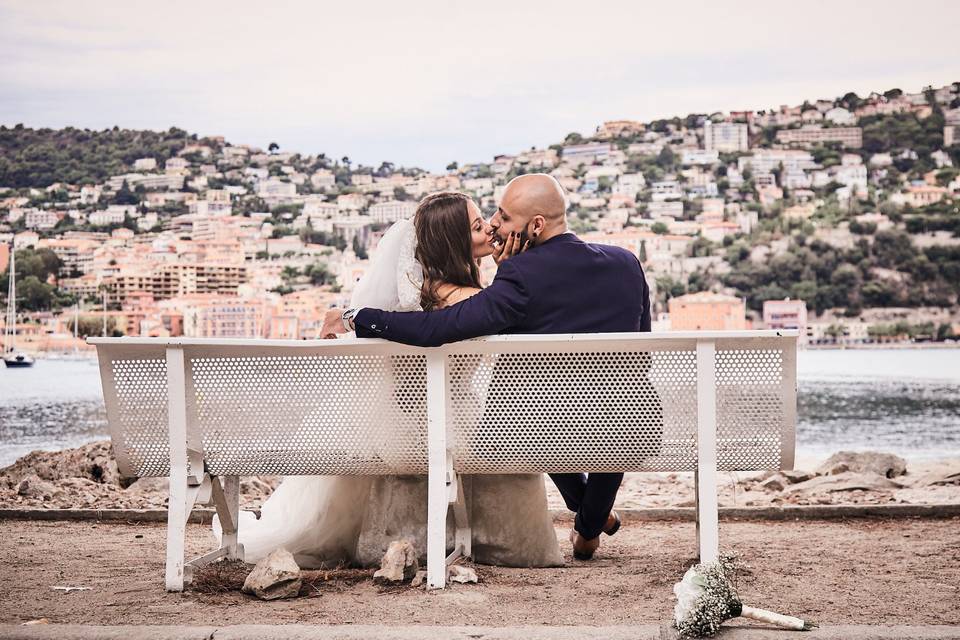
[[582, 548], [613, 523]]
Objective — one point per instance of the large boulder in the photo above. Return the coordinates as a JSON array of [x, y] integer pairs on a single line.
[[276, 576], [887, 465]]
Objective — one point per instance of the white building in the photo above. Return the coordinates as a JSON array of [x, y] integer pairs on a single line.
[[388, 212], [102, 218], [173, 182], [479, 186], [840, 116], [665, 209], [40, 219], [145, 164], [176, 164], [587, 153], [700, 156], [351, 202], [725, 136], [89, 195], [316, 208], [274, 187], [766, 160], [323, 178], [853, 176], [629, 184], [666, 190]]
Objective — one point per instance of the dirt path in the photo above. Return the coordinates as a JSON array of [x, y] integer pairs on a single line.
[[857, 571]]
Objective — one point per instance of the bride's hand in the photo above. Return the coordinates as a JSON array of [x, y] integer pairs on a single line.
[[509, 248]]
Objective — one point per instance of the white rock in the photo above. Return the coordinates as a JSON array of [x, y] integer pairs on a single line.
[[399, 563], [463, 575], [276, 576]]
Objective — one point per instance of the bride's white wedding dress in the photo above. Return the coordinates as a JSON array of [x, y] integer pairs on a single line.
[[326, 520]]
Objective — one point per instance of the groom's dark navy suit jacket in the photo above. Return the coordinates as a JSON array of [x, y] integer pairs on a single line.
[[564, 285]]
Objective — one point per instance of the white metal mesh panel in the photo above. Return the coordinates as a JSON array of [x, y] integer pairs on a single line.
[[573, 411], [750, 408], [139, 415], [314, 414], [613, 411], [513, 406]]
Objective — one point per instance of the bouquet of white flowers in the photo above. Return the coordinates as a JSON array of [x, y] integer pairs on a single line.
[[706, 596]]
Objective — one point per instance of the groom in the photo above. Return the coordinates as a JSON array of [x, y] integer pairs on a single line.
[[559, 284]]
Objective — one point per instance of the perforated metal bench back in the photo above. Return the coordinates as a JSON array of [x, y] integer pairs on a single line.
[[514, 404]]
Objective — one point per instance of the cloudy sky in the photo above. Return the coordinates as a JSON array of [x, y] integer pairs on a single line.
[[424, 83]]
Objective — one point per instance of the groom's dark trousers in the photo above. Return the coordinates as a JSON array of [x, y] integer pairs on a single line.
[[563, 285]]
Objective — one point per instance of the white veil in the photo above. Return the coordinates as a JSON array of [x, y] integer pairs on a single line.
[[394, 278], [318, 518]]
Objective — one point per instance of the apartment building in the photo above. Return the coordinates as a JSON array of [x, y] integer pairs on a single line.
[[808, 136], [705, 311], [727, 137], [391, 211], [786, 314]]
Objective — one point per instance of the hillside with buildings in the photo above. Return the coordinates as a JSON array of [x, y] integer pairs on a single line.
[[840, 216]]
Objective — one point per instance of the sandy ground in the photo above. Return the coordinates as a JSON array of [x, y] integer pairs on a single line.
[[866, 571]]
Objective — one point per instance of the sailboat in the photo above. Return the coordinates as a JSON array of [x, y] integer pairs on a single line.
[[12, 357]]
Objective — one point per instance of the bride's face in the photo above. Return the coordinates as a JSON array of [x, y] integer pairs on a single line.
[[479, 232]]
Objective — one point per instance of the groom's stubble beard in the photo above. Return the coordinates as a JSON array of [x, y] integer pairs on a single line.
[[524, 237]]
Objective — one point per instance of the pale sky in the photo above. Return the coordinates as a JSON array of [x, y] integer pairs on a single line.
[[424, 83]]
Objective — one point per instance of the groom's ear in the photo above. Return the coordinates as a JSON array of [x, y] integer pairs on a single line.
[[537, 225]]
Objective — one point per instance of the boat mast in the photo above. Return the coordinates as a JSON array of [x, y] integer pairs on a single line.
[[10, 331], [76, 322]]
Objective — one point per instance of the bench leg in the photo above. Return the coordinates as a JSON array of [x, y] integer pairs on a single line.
[[225, 493], [708, 528], [462, 540], [180, 504], [436, 530], [696, 505], [437, 465], [708, 525]]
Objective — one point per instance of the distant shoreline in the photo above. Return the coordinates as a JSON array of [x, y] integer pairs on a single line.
[[886, 345]]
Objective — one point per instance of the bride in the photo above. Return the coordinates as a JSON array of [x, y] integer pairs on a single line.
[[428, 263]]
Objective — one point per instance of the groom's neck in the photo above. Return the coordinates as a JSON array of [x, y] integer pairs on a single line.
[[548, 233]]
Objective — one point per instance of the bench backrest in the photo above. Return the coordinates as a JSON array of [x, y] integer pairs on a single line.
[[511, 404]]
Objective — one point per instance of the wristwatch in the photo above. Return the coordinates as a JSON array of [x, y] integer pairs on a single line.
[[347, 317]]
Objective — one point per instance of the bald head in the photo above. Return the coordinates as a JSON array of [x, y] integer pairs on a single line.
[[533, 206], [536, 194]]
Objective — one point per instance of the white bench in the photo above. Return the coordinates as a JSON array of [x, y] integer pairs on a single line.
[[207, 411]]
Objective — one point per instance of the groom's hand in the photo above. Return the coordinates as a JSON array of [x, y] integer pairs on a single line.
[[332, 324], [509, 248]]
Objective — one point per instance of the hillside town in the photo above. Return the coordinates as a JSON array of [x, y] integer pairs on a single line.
[[837, 217]]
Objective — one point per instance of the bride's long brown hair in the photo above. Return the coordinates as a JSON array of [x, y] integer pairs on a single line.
[[444, 248]]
